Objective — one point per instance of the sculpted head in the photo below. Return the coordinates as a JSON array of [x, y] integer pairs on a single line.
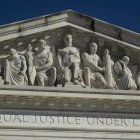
[[13, 52], [93, 48], [125, 59], [68, 40], [41, 44], [29, 47]]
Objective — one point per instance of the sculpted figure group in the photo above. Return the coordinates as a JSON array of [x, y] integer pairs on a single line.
[[30, 68], [86, 70]]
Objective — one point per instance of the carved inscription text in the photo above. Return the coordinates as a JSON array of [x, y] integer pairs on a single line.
[[67, 122]]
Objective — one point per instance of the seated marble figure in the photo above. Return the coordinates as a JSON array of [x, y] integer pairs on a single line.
[[69, 63], [15, 69], [43, 61], [92, 72], [123, 75]]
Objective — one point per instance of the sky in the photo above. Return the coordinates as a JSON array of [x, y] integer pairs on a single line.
[[124, 13]]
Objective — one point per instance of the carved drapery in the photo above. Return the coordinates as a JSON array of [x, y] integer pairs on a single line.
[[69, 64]]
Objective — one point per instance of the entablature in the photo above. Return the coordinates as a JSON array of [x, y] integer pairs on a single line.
[[69, 99]]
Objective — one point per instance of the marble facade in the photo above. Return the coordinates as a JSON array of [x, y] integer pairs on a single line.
[[69, 76]]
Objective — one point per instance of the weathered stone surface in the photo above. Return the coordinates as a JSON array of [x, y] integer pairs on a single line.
[[69, 76], [56, 63]]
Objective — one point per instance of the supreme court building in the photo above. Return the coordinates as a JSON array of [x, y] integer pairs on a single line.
[[68, 76]]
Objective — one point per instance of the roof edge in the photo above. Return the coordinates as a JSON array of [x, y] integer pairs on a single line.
[[78, 19]]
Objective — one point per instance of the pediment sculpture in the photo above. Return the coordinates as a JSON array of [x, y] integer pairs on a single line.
[[123, 73], [92, 72], [72, 67], [15, 69], [69, 63]]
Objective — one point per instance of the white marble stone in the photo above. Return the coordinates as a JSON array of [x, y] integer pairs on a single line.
[[72, 110]]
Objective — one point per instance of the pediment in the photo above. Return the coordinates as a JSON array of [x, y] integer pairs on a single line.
[[84, 30], [69, 76]]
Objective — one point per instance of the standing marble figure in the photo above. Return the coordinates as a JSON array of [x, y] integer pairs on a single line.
[[31, 71], [15, 69]]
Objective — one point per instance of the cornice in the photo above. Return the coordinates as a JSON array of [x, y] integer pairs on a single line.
[[68, 18], [69, 99]]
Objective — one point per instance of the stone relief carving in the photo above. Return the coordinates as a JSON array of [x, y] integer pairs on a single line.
[[92, 72], [15, 69], [69, 63], [138, 80], [1, 77], [123, 73], [43, 61], [31, 71], [35, 66]]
